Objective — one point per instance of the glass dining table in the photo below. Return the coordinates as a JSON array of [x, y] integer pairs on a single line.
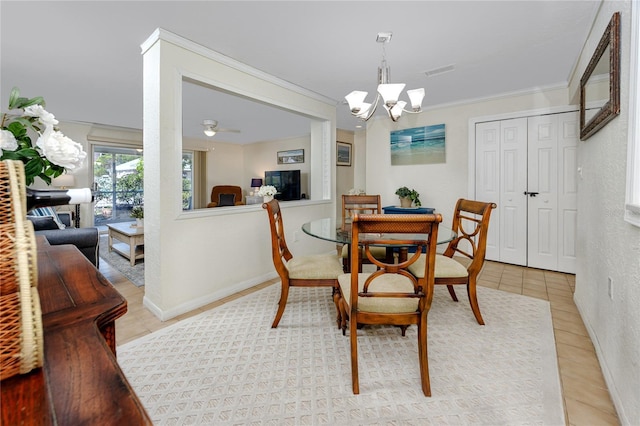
[[326, 229]]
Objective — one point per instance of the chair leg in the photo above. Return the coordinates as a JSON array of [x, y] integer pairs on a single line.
[[473, 300], [353, 332], [452, 292], [424, 358], [344, 316], [284, 294], [336, 300]]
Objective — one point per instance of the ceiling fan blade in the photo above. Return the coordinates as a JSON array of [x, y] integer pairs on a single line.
[[227, 130]]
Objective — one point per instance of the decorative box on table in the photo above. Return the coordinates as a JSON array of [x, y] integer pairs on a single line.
[[254, 199], [407, 210]]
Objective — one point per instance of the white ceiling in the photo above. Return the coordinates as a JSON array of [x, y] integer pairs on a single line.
[[84, 56]]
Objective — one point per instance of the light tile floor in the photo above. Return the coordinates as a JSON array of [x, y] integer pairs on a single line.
[[586, 398]]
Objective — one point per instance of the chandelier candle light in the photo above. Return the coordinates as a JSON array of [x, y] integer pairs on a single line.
[[389, 92]]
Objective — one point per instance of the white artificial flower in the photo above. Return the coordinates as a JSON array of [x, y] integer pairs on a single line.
[[45, 117], [60, 149], [268, 190], [8, 142]]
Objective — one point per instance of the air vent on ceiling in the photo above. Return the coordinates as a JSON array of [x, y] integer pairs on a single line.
[[441, 70]]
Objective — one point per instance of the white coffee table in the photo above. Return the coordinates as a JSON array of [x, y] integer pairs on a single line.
[[127, 240]]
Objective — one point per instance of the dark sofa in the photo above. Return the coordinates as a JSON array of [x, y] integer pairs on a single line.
[[85, 239]]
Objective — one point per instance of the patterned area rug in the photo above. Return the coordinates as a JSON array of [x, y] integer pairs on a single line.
[[227, 366], [135, 274]]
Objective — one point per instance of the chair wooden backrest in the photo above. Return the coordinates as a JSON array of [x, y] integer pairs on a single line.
[[394, 224], [471, 223], [391, 294], [279, 250], [362, 204]]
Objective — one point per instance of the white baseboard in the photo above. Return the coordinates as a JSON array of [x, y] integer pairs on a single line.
[[165, 315]]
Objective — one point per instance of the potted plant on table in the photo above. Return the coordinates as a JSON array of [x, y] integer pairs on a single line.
[[137, 212], [408, 196]]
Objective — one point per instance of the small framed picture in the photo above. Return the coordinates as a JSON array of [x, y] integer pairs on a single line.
[[290, 157], [343, 155]]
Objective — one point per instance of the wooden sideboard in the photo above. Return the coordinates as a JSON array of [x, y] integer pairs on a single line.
[[80, 382]]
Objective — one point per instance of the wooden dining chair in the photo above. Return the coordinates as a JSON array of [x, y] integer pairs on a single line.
[[359, 204], [463, 259], [390, 295], [302, 271]]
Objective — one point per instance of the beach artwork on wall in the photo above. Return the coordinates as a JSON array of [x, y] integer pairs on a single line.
[[420, 145]]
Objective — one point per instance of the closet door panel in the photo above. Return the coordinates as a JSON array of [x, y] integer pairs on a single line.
[[513, 183], [488, 179], [568, 138], [542, 190]]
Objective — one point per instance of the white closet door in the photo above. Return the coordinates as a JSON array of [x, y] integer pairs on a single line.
[[528, 167], [513, 202], [568, 137], [543, 192], [488, 179], [553, 141]]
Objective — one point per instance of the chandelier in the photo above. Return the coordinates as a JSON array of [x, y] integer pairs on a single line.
[[387, 91]]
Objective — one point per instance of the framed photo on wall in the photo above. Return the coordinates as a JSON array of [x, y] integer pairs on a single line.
[[420, 145], [343, 154], [291, 157]]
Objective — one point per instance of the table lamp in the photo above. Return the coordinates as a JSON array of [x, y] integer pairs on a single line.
[[256, 183], [65, 181]]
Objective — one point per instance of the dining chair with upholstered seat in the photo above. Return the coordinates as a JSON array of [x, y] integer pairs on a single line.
[[390, 295], [463, 259], [302, 271], [359, 204]]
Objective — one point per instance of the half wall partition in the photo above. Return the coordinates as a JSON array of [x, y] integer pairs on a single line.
[[195, 257]]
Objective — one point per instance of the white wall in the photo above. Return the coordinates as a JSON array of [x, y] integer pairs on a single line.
[[440, 185], [607, 245], [193, 258], [345, 174], [225, 165], [262, 156]]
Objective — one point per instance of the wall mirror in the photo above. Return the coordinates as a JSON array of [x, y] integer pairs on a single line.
[[600, 83]]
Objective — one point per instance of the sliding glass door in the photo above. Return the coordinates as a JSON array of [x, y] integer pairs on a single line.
[[118, 183]]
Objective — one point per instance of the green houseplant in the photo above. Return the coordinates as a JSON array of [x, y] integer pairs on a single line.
[[137, 212], [408, 194]]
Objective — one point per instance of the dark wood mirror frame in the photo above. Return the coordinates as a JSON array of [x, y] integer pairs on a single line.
[[610, 39]]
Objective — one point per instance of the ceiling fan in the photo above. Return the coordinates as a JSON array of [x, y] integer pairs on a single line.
[[211, 128]]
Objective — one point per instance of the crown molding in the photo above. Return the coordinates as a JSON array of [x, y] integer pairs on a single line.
[[168, 36]]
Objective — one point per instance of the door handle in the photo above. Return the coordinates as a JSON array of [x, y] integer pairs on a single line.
[[531, 194]]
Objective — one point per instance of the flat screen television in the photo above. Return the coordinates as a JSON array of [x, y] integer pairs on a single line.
[[287, 182]]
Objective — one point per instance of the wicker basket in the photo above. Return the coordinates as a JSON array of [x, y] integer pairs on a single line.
[[13, 195], [21, 346]]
